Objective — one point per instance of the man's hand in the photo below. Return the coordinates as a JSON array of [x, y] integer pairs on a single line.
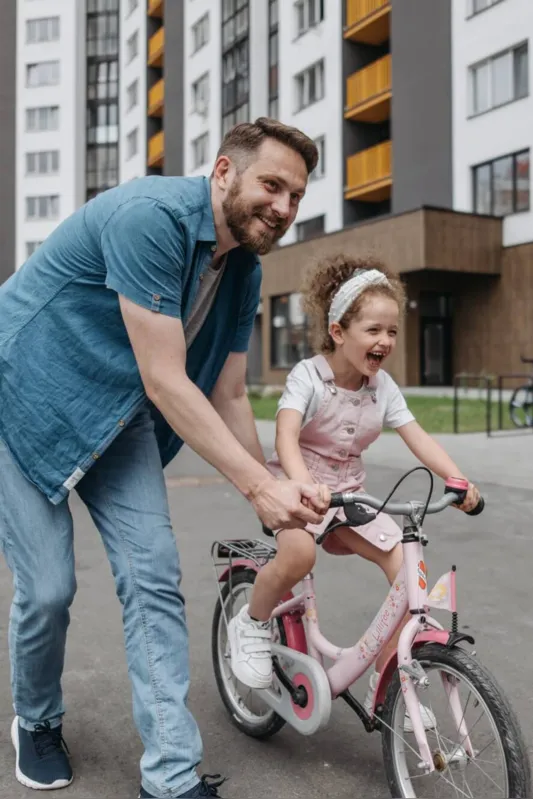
[[471, 500], [285, 503]]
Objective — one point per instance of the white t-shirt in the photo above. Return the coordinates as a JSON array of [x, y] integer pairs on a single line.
[[305, 389]]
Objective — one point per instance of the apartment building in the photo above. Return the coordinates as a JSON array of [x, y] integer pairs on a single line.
[[436, 136]]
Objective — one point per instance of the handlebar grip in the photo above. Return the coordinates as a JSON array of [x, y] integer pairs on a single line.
[[478, 509], [336, 500]]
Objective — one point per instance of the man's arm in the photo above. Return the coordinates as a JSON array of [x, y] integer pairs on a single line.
[[159, 346], [230, 400]]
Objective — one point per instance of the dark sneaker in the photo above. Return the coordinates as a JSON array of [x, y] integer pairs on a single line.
[[42, 762], [203, 789]]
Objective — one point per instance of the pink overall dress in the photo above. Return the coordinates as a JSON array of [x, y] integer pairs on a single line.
[[346, 423]]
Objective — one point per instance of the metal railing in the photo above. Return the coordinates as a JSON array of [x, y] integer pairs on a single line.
[[358, 10], [489, 384]]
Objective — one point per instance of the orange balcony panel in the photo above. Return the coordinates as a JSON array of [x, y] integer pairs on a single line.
[[156, 99], [156, 150], [368, 21], [369, 174], [369, 92], [156, 49], [156, 8]]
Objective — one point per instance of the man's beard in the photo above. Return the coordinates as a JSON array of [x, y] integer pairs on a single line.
[[239, 217]]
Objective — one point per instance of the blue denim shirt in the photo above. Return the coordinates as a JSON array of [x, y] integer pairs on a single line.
[[69, 380]]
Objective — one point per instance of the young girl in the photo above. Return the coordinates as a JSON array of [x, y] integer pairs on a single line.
[[333, 407]]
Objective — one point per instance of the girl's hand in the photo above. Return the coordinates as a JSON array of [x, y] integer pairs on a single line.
[[471, 500], [320, 503]]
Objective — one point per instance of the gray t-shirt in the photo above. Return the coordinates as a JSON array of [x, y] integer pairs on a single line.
[[210, 281]]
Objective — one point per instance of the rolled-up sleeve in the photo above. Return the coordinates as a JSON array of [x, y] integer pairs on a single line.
[[248, 312], [143, 245]]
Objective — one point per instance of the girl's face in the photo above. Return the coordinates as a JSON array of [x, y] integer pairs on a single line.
[[371, 336]]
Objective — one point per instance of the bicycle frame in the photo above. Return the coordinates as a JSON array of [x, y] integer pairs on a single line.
[[409, 591]]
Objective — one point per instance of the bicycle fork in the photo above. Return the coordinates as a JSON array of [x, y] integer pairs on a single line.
[[411, 671]]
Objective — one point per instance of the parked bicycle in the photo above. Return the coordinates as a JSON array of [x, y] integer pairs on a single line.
[[475, 748], [521, 403]]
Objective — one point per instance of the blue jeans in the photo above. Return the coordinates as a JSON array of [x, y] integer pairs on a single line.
[[126, 496]]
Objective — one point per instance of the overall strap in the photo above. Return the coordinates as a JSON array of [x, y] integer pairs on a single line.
[[324, 370]]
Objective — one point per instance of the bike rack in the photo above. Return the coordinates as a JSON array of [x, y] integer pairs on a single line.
[[486, 382]]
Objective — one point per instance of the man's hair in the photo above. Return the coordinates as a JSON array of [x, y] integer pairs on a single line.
[[242, 142]]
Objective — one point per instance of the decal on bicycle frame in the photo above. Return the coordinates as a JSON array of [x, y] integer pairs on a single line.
[[422, 575]]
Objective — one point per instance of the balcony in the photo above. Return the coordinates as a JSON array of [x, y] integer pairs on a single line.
[[369, 92], [156, 99], [156, 150], [155, 8], [156, 49], [369, 174], [368, 21]]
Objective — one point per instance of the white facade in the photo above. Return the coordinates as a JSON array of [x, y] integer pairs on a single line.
[[296, 52], [59, 86], [132, 76], [502, 130]]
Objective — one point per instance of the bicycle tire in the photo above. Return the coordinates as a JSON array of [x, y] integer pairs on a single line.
[[515, 404], [273, 722], [511, 739]]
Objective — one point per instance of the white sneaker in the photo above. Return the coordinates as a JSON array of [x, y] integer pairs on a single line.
[[250, 646], [428, 718]]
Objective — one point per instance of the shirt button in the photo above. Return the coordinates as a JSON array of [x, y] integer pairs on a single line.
[[121, 423], [342, 453], [356, 402], [95, 456], [157, 297], [383, 537], [350, 430], [213, 248], [335, 467], [201, 278]]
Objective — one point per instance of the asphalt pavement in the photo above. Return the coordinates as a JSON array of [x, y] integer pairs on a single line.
[[493, 555]]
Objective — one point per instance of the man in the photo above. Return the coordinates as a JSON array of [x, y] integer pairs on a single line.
[[123, 336]]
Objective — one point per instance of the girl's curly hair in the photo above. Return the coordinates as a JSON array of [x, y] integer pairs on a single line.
[[321, 284]]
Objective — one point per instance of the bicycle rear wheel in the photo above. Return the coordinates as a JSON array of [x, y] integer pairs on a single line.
[[500, 766], [521, 406], [246, 708]]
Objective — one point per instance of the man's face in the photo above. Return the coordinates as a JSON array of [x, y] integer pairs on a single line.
[[262, 202]]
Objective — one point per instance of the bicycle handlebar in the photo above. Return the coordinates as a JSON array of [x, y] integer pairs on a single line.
[[340, 499]]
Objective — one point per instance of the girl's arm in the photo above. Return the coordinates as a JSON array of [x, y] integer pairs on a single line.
[[431, 454], [428, 451], [288, 426]]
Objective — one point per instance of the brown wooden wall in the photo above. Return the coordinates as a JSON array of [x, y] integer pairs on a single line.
[[431, 249]]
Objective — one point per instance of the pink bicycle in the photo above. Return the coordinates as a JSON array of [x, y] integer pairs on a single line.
[[476, 747]]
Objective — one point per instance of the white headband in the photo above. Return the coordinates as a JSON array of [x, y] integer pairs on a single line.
[[350, 290]]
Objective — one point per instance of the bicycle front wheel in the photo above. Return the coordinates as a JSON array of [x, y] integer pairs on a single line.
[[521, 406], [499, 766]]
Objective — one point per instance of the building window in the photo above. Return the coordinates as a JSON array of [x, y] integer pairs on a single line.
[[310, 86], [235, 63], [308, 14], [102, 167], [499, 79], [132, 93], [200, 95], [43, 163], [200, 33], [42, 30], [310, 228], [200, 151], [132, 47], [320, 169], [273, 59], [42, 207], [476, 6], [44, 118], [45, 73], [501, 187], [132, 143], [31, 246], [290, 341], [102, 32]]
